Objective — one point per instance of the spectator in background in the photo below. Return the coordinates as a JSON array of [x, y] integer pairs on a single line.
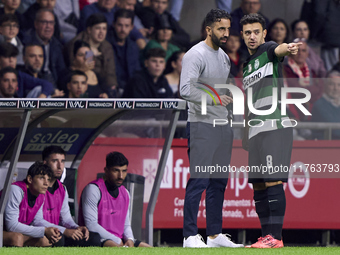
[[247, 7], [137, 23], [68, 13], [10, 7], [232, 48], [162, 36], [298, 74], [83, 61], [150, 16], [150, 82], [278, 31], [27, 85], [126, 51], [9, 30], [327, 108], [34, 60], [173, 70], [105, 7], [95, 34], [300, 29], [8, 82], [43, 34], [323, 18], [224, 5], [31, 13], [77, 85]]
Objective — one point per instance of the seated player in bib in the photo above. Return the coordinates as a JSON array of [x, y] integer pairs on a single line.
[[26, 198], [56, 209], [104, 205]]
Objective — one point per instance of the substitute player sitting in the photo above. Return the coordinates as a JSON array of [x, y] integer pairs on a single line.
[[26, 198], [105, 205], [56, 209], [269, 140]]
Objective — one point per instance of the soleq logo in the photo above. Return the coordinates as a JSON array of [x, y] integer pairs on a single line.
[[238, 99]]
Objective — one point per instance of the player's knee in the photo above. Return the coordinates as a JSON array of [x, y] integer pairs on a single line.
[[110, 243], [16, 239], [142, 244], [259, 186], [94, 239]]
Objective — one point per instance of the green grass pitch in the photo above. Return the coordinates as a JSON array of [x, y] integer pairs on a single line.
[[169, 251]]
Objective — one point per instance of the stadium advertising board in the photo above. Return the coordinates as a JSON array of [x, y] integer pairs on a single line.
[[310, 200]]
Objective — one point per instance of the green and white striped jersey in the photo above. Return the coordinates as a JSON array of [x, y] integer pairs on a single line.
[[262, 72]]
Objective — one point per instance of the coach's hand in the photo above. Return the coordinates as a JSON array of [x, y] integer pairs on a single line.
[[75, 234], [225, 100], [52, 234], [85, 232]]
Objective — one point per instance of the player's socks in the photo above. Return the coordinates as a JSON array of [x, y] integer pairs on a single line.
[[263, 210], [277, 205]]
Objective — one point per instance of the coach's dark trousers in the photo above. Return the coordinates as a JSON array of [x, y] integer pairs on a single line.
[[209, 154]]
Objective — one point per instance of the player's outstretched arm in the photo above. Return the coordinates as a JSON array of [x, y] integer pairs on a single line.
[[286, 49]]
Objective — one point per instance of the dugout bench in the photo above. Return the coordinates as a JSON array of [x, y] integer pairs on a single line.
[[29, 125]]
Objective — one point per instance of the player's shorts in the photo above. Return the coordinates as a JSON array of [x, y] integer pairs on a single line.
[[269, 156]]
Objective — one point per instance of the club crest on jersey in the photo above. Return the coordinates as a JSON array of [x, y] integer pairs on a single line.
[[249, 68], [257, 64]]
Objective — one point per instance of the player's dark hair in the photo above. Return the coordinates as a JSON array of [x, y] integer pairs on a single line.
[[39, 168], [53, 149], [79, 44], [123, 13], [95, 19], [253, 18], [271, 26], [76, 72], [8, 69], [116, 158], [8, 50], [156, 53], [8, 18], [32, 45], [215, 15]]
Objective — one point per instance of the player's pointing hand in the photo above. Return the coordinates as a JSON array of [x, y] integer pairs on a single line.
[[293, 48]]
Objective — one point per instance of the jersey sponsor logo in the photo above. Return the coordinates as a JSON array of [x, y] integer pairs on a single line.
[[50, 209], [251, 80]]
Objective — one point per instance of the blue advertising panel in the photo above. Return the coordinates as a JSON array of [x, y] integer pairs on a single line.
[[70, 139]]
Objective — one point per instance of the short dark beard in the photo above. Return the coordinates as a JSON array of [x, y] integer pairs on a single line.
[[216, 40]]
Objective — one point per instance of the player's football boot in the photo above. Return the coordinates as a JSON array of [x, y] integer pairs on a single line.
[[267, 242]]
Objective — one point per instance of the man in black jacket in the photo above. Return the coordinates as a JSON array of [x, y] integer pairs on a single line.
[[150, 82]]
